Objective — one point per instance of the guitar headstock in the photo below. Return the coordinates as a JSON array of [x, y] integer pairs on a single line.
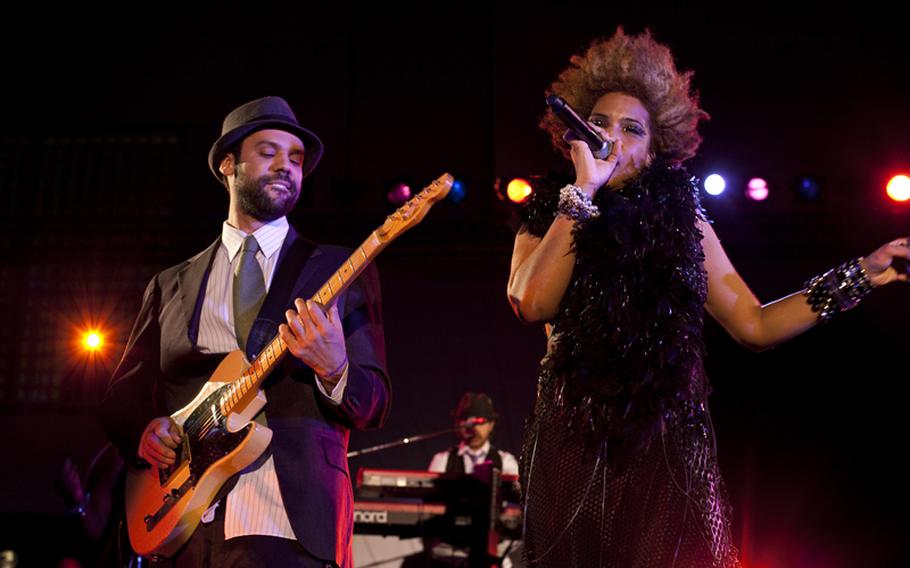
[[415, 209]]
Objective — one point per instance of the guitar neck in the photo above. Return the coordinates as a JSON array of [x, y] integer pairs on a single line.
[[349, 271], [275, 351]]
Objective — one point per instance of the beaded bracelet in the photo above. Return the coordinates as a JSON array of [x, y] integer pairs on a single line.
[[838, 289], [574, 204]]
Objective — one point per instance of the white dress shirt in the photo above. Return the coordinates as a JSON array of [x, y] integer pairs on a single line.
[[441, 460], [254, 506]]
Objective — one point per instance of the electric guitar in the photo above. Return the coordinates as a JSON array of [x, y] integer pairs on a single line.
[[218, 435]]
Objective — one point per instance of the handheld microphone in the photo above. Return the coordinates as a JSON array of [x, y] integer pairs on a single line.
[[579, 129], [471, 422]]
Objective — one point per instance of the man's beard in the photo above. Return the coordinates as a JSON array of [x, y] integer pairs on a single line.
[[254, 199]]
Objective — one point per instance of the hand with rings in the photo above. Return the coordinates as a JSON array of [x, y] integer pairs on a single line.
[[888, 263]]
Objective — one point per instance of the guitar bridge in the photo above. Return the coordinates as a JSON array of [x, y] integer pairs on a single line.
[[183, 457]]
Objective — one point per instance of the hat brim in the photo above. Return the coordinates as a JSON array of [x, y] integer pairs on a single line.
[[311, 143]]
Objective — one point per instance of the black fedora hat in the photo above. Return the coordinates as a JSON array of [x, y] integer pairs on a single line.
[[267, 112], [477, 405]]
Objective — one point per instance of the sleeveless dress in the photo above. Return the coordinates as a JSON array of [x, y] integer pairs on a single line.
[[619, 466]]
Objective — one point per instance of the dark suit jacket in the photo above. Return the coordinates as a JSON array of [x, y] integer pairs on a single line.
[[162, 370]]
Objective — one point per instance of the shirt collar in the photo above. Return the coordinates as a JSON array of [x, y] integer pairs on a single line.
[[269, 236], [466, 449]]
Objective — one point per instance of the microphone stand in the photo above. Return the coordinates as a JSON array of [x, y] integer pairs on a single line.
[[402, 442]]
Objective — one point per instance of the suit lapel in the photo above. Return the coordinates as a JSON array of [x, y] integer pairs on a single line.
[[302, 279], [286, 284], [191, 281]]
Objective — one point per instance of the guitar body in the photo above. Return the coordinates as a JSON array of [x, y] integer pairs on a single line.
[[164, 506]]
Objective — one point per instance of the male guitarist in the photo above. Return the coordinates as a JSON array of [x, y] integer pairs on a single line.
[[293, 506]]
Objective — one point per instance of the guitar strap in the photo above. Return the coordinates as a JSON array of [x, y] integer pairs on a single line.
[[279, 299]]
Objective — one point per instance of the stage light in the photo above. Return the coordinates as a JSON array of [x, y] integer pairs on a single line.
[[457, 193], [399, 194], [519, 190], [715, 184], [898, 188], [92, 340], [757, 189], [808, 187]]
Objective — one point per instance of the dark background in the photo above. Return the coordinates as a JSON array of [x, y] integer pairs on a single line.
[[106, 121]]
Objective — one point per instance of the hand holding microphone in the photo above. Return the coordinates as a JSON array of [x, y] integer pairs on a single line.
[[579, 129], [595, 169]]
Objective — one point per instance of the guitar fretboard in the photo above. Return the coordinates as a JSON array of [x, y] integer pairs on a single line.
[[272, 354]]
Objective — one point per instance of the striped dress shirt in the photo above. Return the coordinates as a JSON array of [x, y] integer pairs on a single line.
[[254, 506]]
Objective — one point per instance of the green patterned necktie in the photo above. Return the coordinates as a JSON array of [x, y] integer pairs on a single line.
[[249, 290]]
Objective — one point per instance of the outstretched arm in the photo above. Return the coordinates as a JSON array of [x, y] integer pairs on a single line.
[[759, 327]]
